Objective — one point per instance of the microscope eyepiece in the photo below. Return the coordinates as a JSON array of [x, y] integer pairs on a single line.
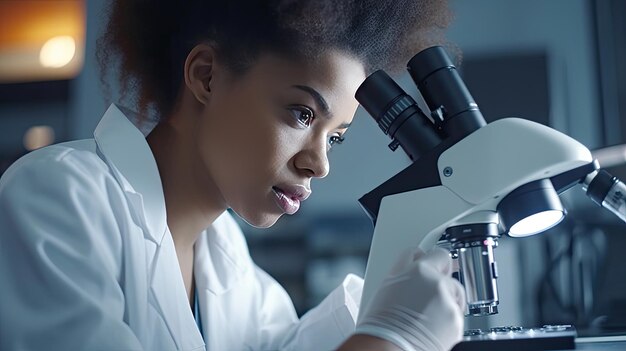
[[397, 115], [378, 94], [445, 93], [427, 62]]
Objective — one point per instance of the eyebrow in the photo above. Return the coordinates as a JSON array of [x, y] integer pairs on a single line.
[[319, 99], [321, 102]]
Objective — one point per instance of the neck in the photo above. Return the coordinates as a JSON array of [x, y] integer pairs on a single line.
[[192, 202]]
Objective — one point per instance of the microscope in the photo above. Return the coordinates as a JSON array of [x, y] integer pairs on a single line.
[[468, 184]]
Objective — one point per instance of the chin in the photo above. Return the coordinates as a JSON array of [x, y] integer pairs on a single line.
[[259, 220]]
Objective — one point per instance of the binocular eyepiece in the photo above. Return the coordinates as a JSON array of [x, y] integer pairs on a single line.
[[453, 110]]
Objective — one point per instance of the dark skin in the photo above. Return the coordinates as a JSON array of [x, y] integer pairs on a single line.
[[233, 139]]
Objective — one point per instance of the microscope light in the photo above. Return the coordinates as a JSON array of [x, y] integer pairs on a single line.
[[531, 209], [536, 223]]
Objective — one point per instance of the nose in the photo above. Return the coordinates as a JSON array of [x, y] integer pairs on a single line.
[[313, 159]]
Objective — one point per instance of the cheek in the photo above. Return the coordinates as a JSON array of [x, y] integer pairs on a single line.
[[247, 144], [266, 151]]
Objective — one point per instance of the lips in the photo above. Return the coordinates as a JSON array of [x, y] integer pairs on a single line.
[[288, 197]]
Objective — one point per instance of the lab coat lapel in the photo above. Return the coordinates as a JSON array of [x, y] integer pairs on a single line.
[[223, 280], [170, 297], [127, 152], [220, 256]]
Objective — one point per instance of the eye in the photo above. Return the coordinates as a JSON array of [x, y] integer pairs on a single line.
[[335, 139], [303, 115]]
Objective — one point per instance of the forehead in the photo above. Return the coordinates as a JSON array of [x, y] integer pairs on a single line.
[[334, 75]]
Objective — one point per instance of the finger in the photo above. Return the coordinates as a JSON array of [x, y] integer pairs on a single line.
[[439, 259], [405, 258], [455, 266], [458, 293], [417, 253]]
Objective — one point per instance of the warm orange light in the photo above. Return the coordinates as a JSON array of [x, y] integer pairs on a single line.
[[26, 30], [57, 52], [38, 136]]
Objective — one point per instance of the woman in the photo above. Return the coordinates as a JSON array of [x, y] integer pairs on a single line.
[[122, 242]]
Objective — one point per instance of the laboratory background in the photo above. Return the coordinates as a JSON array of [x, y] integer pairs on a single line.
[[561, 63]]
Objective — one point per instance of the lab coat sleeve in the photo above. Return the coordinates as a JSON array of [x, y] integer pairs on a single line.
[[60, 248], [331, 322]]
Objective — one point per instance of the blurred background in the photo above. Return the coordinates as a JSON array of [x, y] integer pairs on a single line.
[[559, 62]]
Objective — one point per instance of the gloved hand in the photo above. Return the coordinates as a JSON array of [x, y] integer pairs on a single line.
[[419, 306]]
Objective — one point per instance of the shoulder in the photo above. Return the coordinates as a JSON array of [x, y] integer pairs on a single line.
[[74, 154], [56, 165], [67, 178], [62, 196]]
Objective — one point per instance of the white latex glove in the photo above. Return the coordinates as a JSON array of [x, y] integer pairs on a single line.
[[419, 306]]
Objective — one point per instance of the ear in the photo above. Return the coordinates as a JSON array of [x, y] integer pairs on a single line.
[[200, 67]]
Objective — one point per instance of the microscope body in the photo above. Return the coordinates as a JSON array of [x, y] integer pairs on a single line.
[[470, 183], [475, 174]]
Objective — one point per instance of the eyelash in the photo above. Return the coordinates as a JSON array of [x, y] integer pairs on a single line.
[[302, 110], [334, 139]]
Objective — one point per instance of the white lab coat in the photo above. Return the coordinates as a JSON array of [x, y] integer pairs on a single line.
[[87, 262]]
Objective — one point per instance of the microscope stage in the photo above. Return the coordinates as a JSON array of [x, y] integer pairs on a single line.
[[549, 337]]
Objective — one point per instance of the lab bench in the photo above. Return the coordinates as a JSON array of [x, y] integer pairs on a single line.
[[602, 343]]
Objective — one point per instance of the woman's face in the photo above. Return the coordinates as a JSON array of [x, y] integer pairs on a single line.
[[264, 134]]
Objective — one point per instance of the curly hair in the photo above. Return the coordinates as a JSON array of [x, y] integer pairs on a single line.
[[150, 40]]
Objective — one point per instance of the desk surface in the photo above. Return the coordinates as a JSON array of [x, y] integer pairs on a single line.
[[603, 346], [607, 343]]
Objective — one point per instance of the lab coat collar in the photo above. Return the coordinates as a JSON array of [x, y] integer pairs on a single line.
[[221, 253], [170, 298], [127, 152], [221, 256]]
